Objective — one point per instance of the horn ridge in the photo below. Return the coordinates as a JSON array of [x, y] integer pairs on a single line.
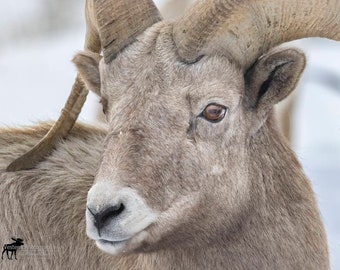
[[120, 22], [247, 29]]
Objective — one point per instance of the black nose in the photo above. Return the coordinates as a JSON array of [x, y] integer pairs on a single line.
[[106, 215]]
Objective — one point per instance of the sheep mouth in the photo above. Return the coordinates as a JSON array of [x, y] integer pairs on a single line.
[[113, 243], [112, 247], [123, 246]]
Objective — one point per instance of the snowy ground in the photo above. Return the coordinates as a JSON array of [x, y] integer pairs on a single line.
[[36, 76]]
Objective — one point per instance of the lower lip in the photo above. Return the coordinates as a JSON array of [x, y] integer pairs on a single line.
[[112, 247], [112, 243]]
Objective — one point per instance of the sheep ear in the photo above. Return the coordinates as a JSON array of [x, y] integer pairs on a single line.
[[87, 64], [272, 78]]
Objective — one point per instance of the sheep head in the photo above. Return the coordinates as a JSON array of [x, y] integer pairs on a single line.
[[184, 137]]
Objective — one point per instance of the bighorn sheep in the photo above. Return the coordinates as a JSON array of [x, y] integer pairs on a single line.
[[193, 173]]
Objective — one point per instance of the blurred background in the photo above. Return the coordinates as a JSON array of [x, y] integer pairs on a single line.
[[38, 38]]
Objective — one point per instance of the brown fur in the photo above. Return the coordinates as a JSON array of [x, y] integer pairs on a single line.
[[231, 195]]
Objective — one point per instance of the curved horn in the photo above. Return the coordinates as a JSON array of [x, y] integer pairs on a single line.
[[119, 22], [110, 26], [247, 29]]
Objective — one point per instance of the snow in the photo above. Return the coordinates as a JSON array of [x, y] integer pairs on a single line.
[[36, 76], [36, 80]]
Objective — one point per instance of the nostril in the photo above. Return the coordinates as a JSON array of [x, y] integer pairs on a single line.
[[107, 214], [111, 212]]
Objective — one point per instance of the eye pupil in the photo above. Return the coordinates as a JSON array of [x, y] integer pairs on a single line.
[[214, 112]]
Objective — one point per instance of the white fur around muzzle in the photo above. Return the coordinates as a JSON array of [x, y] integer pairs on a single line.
[[135, 218]]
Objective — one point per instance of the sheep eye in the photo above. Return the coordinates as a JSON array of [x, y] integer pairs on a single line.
[[214, 112]]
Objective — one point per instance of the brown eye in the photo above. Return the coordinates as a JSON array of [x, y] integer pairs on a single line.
[[214, 112]]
